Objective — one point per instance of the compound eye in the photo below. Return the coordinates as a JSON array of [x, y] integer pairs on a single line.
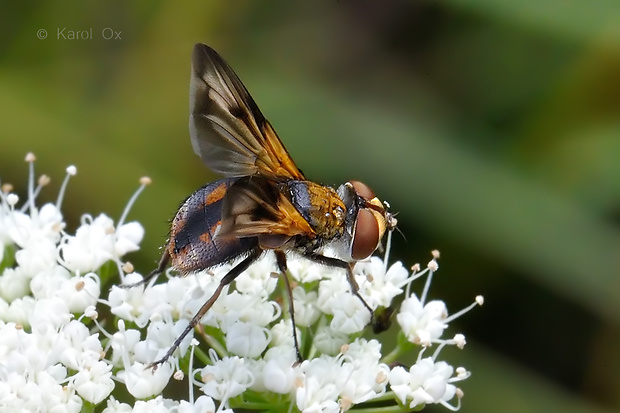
[[367, 235], [362, 190]]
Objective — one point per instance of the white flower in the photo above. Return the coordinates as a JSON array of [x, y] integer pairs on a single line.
[[36, 235], [94, 383], [368, 377], [204, 404], [330, 341], [127, 238], [41, 225], [91, 246], [45, 283], [426, 382], [259, 279], [247, 339], [43, 291], [159, 337], [156, 405], [78, 292], [38, 255], [97, 241], [142, 381], [306, 311], [32, 378], [56, 354], [226, 378], [14, 283], [139, 305], [381, 286], [422, 324], [114, 406], [306, 271], [76, 348], [196, 291], [277, 371], [282, 334], [18, 310], [124, 343], [318, 390], [349, 313], [49, 313], [246, 307]]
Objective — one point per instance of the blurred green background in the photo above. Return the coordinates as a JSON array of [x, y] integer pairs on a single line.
[[491, 126]]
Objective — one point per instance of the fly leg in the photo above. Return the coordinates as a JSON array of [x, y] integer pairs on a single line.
[[161, 267], [335, 262], [228, 278], [281, 259]]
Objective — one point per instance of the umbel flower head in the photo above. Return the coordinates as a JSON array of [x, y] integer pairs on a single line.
[[55, 354]]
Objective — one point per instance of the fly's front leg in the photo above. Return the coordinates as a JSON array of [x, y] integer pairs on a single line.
[[335, 262]]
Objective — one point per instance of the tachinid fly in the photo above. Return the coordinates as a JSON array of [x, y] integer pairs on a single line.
[[264, 202]]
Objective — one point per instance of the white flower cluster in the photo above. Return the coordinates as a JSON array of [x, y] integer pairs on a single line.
[[55, 353], [49, 358]]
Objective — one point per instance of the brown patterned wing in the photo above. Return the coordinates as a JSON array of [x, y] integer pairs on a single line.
[[227, 129], [255, 206]]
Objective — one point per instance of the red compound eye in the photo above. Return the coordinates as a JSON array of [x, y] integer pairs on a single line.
[[366, 236], [362, 190]]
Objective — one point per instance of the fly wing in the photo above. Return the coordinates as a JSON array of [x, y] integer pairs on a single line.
[[255, 206], [227, 129]]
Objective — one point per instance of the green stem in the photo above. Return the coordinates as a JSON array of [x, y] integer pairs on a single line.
[[387, 409], [392, 355]]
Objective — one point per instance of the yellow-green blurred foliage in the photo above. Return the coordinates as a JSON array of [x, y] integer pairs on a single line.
[[492, 127]]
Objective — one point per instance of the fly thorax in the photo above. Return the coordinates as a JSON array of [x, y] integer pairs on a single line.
[[320, 206]]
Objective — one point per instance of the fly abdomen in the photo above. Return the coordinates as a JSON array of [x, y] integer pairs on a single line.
[[194, 244]]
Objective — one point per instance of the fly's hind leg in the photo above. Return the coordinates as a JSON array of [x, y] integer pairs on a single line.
[[228, 278], [161, 267]]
